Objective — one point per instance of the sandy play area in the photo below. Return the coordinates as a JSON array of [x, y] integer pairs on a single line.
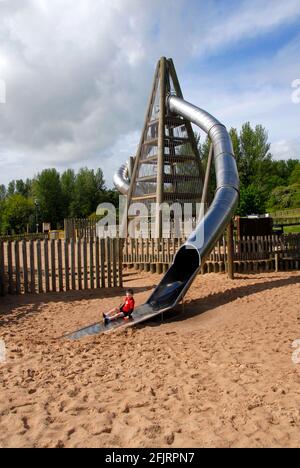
[[218, 375]]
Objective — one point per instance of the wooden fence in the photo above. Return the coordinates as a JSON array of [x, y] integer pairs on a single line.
[[56, 266], [250, 253]]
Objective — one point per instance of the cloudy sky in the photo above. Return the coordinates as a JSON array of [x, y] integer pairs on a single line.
[[77, 74]]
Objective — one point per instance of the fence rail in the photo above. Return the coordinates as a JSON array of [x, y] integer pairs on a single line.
[[44, 266], [19, 237]]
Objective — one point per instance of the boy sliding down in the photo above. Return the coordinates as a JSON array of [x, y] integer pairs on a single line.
[[125, 310]]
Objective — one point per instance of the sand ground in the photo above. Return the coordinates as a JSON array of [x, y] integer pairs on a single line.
[[219, 374]]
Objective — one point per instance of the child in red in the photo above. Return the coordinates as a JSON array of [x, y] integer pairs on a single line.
[[125, 310]]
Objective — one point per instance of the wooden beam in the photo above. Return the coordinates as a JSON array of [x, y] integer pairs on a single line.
[[161, 144], [169, 178]]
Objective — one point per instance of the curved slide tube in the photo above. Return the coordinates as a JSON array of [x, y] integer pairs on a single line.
[[192, 254]]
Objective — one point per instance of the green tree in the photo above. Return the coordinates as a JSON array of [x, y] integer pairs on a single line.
[[47, 192], [16, 212], [89, 191], [2, 192], [255, 155], [68, 179], [252, 201], [23, 188], [295, 175], [11, 188]]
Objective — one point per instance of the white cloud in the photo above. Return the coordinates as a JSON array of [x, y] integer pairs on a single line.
[[249, 20], [286, 149]]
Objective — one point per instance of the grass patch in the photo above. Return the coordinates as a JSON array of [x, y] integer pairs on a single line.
[[291, 229]]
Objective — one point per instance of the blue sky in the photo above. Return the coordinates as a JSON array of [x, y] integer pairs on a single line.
[[77, 75]]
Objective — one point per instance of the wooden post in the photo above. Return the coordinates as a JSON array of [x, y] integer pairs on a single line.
[[230, 255], [161, 147], [276, 262]]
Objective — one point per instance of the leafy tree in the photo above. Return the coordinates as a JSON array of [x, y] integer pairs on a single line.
[[252, 201], [2, 192], [285, 197], [23, 188], [47, 192], [89, 191], [295, 175], [11, 188], [254, 156], [16, 212], [68, 179]]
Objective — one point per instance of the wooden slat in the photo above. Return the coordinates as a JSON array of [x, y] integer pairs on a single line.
[[10, 267], [73, 265], [92, 282], [39, 266], [53, 265], [97, 262], [67, 264], [79, 272], [85, 271], [25, 266], [32, 267], [102, 262], [60, 266], [108, 261], [120, 266], [46, 264], [114, 262], [17, 267]]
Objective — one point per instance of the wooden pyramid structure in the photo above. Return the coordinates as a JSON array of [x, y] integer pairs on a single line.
[[167, 167]]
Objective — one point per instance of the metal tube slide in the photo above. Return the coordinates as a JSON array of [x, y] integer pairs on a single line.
[[121, 179], [191, 255]]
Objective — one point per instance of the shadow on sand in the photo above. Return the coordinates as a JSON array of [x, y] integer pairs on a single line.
[[204, 304]]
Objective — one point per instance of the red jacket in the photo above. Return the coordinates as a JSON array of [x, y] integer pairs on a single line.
[[128, 305]]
